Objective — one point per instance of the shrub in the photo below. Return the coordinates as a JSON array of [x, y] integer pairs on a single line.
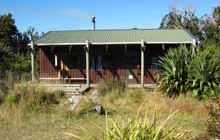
[[204, 74], [32, 97], [216, 92], [2, 95], [6, 82], [36, 97], [186, 69], [21, 65], [10, 100], [140, 129], [175, 66], [214, 118]]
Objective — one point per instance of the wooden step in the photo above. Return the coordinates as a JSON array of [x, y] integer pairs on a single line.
[[67, 88]]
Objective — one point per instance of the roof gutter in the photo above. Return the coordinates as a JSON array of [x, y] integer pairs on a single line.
[[113, 43], [173, 42], [57, 44]]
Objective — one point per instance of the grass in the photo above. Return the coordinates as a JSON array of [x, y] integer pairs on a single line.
[[140, 128], [192, 113], [56, 122]]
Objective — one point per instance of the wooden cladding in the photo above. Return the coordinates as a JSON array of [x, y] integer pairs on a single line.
[[47, 68], [116, 63]]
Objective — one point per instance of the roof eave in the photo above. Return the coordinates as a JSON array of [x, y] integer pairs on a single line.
[[114, 43]]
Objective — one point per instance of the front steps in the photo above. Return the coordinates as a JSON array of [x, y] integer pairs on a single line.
[[69, 89]]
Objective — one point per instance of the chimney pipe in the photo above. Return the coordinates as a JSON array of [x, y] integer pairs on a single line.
[[93, 21]]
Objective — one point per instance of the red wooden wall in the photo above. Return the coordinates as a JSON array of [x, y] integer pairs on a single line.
[[122, 66], [47, 69]]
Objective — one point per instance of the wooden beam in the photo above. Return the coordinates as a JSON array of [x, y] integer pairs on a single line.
[[163, 47], [194, 42], [32, 61], [55, 60], [126, 48], [142, 62], [70, 48], [87, 64], [106, 48]]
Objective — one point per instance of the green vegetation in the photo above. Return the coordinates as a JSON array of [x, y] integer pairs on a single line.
[[206, 28], [190, 70], [41, 114], [31, 97], [204, 73], [214, 118], [197, 71], [139, 128], [175, 74], [29, 111], [112, 85], [14, 51]]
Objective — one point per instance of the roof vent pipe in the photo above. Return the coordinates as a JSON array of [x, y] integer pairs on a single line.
[[93, 21]]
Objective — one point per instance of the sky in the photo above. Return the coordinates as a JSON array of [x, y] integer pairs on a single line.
[[46, 15]]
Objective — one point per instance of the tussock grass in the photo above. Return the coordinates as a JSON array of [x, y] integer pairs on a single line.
[[126, 102], [84, 108], [52, 121], [192, 115], [214, 118], [31, 97]]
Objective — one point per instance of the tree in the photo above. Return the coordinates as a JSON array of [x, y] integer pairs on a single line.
[[191, 22], [14, 50], [8, 33], [182, 19], [211, 26], [172, 20], [34, 36]]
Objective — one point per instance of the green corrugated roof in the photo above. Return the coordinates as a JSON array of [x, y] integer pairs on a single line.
[[117, 35]]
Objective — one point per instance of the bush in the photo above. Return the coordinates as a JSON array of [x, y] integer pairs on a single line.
[[175, 66], [186, 69], [10, 100], [2, 95], [204, 74], [32, 97], [141, 128], [6, 82], [39, 98], [214, 118]]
